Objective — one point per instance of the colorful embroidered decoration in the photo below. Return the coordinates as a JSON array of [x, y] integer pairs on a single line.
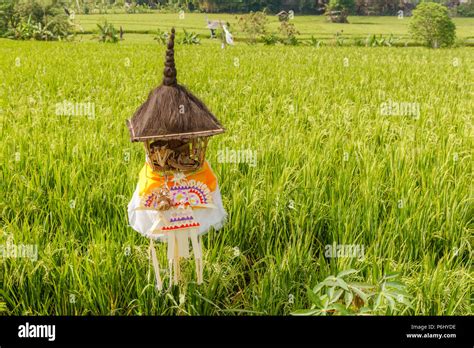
[[158, 200], [195, 194]]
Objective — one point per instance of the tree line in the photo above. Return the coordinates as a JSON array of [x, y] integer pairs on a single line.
[[353, 7], [357, 7]]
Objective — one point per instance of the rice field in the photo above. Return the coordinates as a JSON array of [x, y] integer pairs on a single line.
[[307, 26], [354, 146]]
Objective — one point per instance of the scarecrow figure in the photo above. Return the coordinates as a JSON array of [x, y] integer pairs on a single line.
[[177, 198], [226, 36], [212, 26], [283, 16]]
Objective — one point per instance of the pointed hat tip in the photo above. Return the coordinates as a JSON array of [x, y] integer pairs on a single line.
[[169, 73]]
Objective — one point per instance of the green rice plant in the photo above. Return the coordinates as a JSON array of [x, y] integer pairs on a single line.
[[314, 42], [329, 167], [269, 39], [339, 40], [360, 42]]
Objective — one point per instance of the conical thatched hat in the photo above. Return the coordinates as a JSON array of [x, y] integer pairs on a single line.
[[171, 111]]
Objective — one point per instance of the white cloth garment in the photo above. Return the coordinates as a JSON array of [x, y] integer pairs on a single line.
[[228, 36]]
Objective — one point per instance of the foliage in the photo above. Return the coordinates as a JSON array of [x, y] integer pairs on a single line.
[[172, 7], [137, 8], [358, 7], [338, 10], [374, 41], [107, 33], [9, 18], [253, 24], [339, 39], [161, 37], [189, 38], [288, 32], [287, 36], [316, 26], [314, 42], [432, 25], [245, 6], [381, 7], [28, 30], [23, 31], [42, 33], [67, 192], [35, 19], [466, 10], [337, 295], [341, 5], [269, 39]]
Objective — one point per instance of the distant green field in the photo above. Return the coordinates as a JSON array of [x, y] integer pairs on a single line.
[[308, 26]]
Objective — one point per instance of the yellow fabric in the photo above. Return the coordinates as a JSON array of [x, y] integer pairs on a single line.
[[150, 180]]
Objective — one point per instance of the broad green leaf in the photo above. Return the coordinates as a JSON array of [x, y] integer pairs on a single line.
[[337, 295], [339, 307], [391, 301], [360, 285], [346, 273], [331, 277], [406, 302], [325, 301], [314, 298], [359, 293], [330, 283], [342, 284], [330, 293], [305, 312], [398, 292], [318, 287], [348, 297], [365, 310], [378, 301], [391, 275], [397, 285]]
